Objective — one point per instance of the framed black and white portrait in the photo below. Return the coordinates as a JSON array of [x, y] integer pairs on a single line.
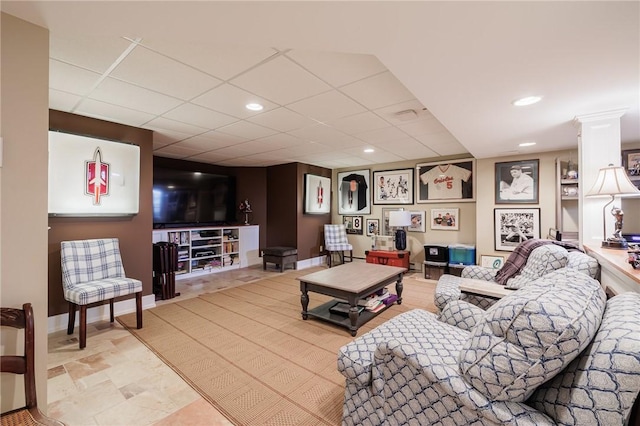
[[354, 192], [517, 182]]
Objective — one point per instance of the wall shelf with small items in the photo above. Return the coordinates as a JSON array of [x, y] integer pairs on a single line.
[[567, 195], [212, 249]]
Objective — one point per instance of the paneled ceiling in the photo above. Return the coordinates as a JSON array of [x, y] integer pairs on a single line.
[[411, 81]]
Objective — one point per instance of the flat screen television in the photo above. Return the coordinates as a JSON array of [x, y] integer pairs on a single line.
[[187, 198]]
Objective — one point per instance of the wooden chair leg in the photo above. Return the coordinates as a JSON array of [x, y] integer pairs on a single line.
[[83, 326], [110, 310], [139, 310], [72, 317]]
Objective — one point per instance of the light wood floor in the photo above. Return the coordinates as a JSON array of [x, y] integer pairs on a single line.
[[116, 380]]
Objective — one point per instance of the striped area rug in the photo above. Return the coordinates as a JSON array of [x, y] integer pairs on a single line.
[[249, 353]]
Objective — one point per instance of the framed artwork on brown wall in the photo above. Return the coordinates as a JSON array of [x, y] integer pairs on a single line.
[[317, 194]]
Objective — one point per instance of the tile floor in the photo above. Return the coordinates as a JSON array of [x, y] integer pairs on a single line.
[[116, 380]]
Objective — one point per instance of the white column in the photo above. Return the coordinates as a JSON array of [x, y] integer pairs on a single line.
[[598, 146]]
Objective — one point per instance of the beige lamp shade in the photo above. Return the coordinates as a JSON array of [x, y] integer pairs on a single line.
[[399, 218], [613, 180]]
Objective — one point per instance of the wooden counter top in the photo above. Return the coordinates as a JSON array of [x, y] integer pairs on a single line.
[[616, 272]]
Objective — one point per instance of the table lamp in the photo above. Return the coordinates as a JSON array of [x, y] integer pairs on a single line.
[[613, 181], [399, 219]]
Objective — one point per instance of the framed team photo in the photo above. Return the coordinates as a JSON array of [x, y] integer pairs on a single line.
[[445, 181], [393, 186], [445, 219]]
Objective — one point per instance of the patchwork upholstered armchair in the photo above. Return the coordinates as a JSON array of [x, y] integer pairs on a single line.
[[554, 352], [544, 258]]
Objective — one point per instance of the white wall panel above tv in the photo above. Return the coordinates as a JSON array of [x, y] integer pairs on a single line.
[[92, 177]]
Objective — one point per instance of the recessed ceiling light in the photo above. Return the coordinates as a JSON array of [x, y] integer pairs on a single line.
[[529, 100], [527, 144], [369, 150], [254, 107]]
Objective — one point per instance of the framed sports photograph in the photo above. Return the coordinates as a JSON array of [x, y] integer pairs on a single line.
[[445, 219], [393, 186], [317, 194], [631, 163], [517, 182], [354, 224], [446, 181], [354, 192], [492, 262], [373, 227], [513, 226], [417, 222]]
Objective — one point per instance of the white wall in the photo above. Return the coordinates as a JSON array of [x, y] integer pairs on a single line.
[[24, 115]]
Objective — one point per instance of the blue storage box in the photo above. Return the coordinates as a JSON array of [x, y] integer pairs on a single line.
[[462, 254]]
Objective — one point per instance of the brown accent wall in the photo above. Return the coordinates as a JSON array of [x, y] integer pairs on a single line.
[[310, 228], [282, 206], [134, 232]]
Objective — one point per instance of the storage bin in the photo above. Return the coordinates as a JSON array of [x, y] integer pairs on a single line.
[[456, 269], [434, 270], [462, 254], [436, 253]]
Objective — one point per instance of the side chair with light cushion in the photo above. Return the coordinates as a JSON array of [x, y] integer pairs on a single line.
[[336, 241], [554, 352], [22, 362], [92, 272], [543, 257]]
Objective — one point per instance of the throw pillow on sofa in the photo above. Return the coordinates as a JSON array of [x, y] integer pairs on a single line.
[[528, 337]]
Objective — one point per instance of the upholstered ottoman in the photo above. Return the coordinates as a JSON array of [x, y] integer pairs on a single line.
[[281, 256]]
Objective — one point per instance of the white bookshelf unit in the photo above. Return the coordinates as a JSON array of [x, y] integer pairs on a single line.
[[212, 249]]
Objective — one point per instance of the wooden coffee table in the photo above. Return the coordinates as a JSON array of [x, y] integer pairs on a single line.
[[350, 282]]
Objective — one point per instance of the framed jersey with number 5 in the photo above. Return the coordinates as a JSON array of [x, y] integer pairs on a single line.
[[447, 181]]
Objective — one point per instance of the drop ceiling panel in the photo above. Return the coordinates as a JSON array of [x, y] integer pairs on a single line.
[[359, 123], [378, 91], [175, 126], [270, 143], [306, 148], [176, 152], [231, 100], [165, 138], [233, 151], [327, 106], [157, 72], [281, 81], [199, 116], [62, 101], [137, 98], [221, 61], [71, 79], [390, 113], [210, 157], [109, 112], [427, 126], [381, 136], [91, 52], [338, 69], [407, 148], [247, 130], [281, 119], [223, 139]]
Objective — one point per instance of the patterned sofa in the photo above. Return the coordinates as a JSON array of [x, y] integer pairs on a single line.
[[541, 261], [553, 352]]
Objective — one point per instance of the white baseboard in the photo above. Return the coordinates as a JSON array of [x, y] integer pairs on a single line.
[[314, 261], [101, 313]]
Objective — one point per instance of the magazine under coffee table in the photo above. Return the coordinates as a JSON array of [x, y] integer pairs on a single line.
[[350, 282]]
